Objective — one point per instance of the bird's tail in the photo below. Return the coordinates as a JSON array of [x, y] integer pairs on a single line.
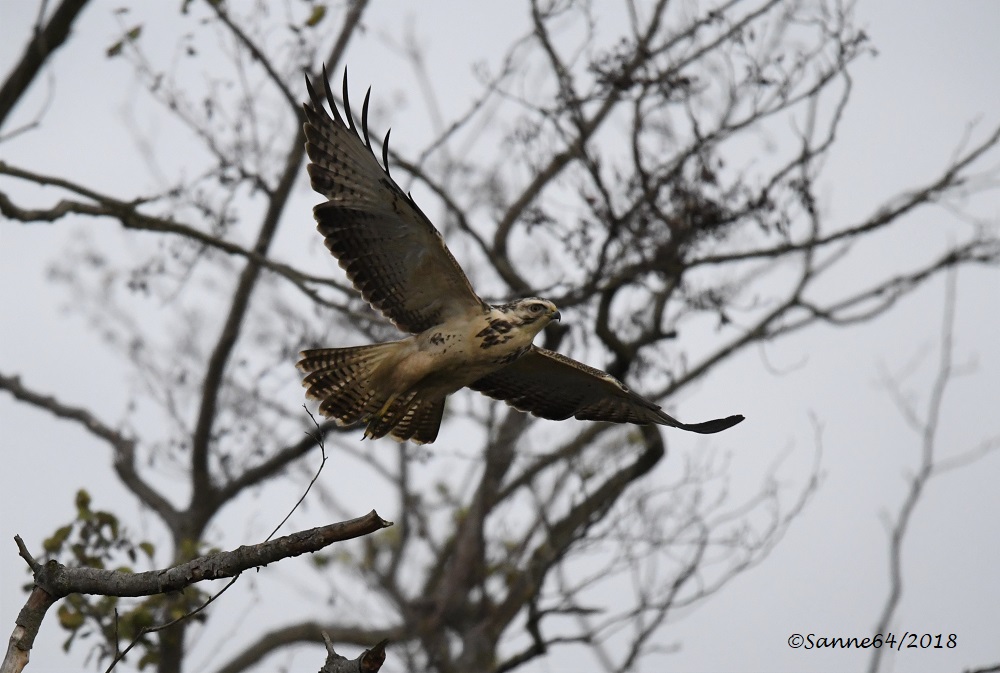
[[347, 384], [345, 380]]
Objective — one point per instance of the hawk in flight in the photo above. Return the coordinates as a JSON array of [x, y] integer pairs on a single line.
[[399, 262]]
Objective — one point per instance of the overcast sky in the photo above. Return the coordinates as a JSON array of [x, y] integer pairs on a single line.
[[936, 72]]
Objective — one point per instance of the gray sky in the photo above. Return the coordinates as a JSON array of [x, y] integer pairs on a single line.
[[936, 72]]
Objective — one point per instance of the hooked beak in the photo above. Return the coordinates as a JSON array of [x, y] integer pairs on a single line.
[[556, 316]]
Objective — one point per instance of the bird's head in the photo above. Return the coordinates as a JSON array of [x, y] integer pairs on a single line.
[[531, 311]]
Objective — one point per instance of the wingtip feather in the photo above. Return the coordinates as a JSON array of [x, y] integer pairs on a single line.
[[713, 426]]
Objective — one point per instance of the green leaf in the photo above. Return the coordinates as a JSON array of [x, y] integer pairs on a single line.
[[131, 35], [69, 618], [82, 502], [53, 545], [110, 520], [318, 12], [151, 658]]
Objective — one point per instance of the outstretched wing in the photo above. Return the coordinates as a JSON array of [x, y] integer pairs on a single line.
[[390, 250], [554, 386]]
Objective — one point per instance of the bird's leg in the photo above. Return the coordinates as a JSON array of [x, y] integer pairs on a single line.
[[379, 413]]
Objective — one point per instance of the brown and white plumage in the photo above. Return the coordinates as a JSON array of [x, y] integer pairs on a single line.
[[553, 386], [399, 262], [390, 250]]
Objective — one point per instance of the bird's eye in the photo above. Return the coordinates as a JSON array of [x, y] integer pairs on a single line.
[[537, 308]]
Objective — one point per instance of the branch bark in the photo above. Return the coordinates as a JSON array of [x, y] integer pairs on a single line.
[[53, 580], [368, 661], [42, 44]]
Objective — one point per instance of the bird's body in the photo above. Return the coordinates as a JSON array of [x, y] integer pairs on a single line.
[[380, 383], [402, 267]]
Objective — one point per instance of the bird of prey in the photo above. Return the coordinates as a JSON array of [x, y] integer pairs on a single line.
[[400, 264]]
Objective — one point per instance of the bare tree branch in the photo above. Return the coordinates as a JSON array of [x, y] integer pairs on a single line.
[[615, 174], [123, 446], [54, 580], [241, 297], [128, 215], [43, 43], [925, 468]]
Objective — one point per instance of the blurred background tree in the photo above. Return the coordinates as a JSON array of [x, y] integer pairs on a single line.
[[654, 168]]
